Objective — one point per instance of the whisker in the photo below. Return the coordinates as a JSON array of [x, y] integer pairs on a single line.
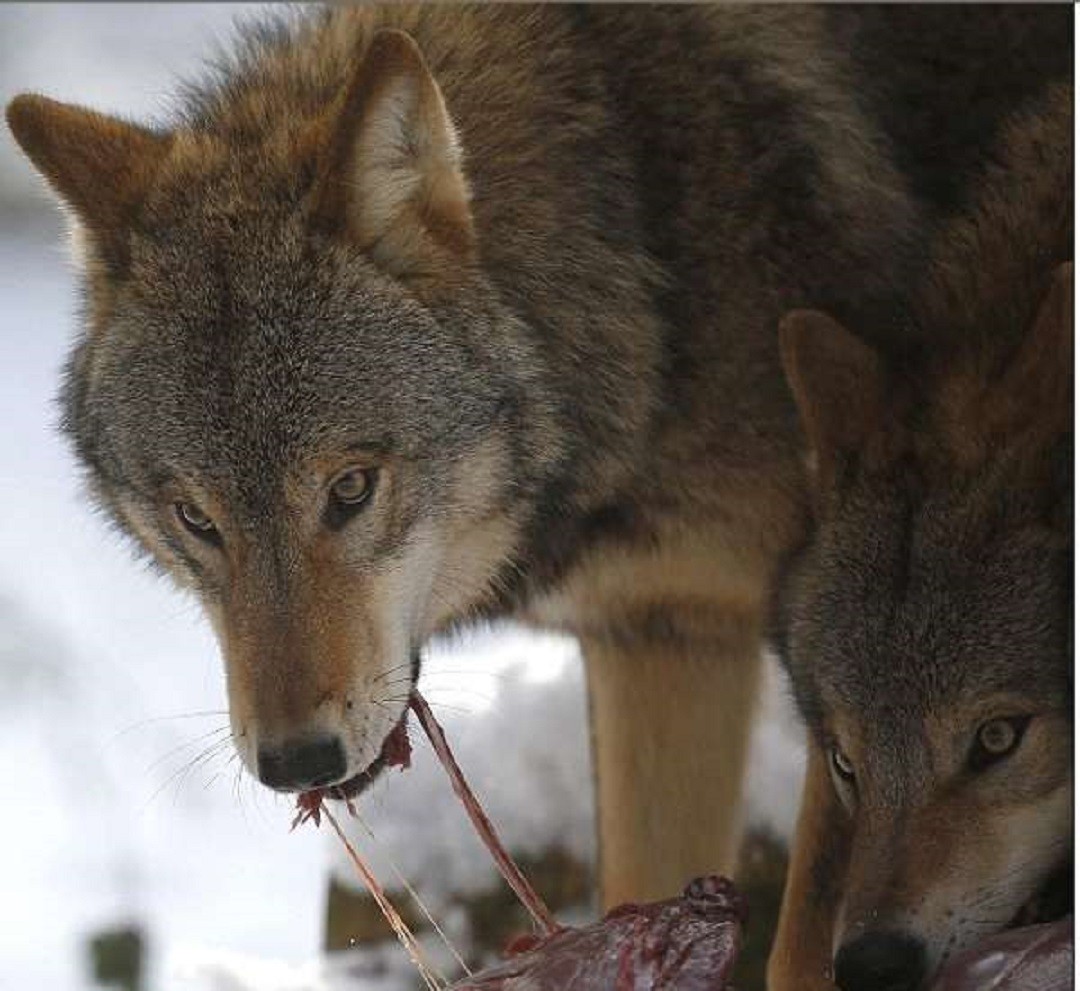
[[142, 723], [199, 760], [407, 666], [444, 706], [184, 746], [165, 784]]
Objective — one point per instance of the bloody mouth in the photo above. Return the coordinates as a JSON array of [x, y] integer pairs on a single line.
[[396, 752]]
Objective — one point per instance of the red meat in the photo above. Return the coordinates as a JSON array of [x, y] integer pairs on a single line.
[[683, 944], [1034, 958]]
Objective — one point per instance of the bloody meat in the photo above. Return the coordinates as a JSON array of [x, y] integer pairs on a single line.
[[1034, 958], [684, 944]]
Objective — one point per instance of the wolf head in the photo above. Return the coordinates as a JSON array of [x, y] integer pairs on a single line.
[[926, 627], [295, 390]]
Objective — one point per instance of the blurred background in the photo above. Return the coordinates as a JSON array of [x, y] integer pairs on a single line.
[[134, 852]]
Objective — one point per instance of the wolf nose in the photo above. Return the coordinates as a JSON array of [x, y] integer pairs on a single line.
[[303, 763], [881, 961]]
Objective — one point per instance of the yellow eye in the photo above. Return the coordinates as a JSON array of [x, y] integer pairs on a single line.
[[197, 522], [352, 487], [998, 737], [841, 765], [193, 517], [996, 740]]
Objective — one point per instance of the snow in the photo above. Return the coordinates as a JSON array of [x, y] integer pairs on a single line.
[[125, 799]]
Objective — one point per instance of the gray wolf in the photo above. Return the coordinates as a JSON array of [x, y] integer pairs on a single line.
[[925, 618], [416, 316]]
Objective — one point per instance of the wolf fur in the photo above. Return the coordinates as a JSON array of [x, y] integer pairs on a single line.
[[522, 268], [934, 593]]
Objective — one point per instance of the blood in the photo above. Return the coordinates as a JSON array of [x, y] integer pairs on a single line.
[[397, 750], [308, 807]]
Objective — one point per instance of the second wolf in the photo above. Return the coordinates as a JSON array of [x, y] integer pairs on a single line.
[[925, 617]]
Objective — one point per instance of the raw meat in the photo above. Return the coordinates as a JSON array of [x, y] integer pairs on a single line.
[[683, 944], [1034, 958]]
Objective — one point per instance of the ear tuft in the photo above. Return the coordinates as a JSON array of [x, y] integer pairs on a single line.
[[99, 166], [837, 381], [1036, 391], [391, 178]]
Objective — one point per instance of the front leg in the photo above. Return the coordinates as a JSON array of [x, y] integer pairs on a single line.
[[801, 958], [671, 707]]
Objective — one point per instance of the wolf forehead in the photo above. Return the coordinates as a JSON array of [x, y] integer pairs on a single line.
[[907, 604], [261, 341]]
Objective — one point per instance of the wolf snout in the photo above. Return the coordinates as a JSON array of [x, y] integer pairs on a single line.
[[302, 763], [881, 961]]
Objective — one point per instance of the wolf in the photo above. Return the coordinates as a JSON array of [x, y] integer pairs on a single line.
[[925, 618], [414, 317]]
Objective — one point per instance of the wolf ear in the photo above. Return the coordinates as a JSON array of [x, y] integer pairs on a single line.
[[1037, 388], [99, 166], [838, 384], [391, 174]]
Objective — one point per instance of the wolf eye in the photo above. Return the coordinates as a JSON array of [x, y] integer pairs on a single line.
[[352, 487], [348, 493], [197, 522], [996, 740], [841, 765]]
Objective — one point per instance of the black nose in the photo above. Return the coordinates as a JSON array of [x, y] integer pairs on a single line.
[[881, 961], [308, 762]]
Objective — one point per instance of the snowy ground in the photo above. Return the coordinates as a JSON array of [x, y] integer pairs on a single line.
[[121, 804]]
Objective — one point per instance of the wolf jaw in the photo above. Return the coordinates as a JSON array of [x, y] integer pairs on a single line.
[[394, 751], [1052, 902]]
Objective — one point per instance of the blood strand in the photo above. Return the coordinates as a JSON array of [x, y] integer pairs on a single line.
[[533, 903]]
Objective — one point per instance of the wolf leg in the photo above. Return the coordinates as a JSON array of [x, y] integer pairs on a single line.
[[671, 716], [801, 958]]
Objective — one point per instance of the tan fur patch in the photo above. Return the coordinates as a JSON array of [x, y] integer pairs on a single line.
[[705, 571], [670, 732]]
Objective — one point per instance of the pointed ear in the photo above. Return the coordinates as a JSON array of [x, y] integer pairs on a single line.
[[391, 175], [1036, 391], [838, 384], [99, 166]]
